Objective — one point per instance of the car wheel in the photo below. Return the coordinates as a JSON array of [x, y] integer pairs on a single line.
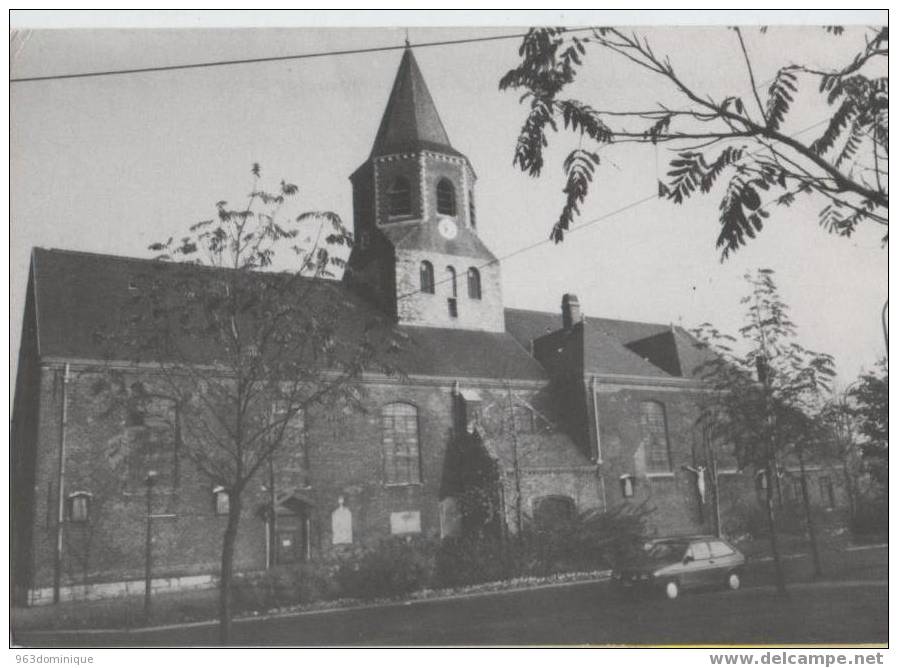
[[734, 581], [672, 590]]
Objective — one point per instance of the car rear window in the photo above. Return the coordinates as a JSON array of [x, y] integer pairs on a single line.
[[700, 551], [720, 549]]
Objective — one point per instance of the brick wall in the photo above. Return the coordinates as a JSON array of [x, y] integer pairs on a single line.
[[111, 545], [673, 495], [345, 456], [419, 308]]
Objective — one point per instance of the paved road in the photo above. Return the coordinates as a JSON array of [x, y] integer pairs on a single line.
[[592, 613]]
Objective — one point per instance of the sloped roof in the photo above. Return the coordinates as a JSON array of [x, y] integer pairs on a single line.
[[692, 355], [425, 236], [614, 346], [79, 294], [526, 325], [661, 349], [443, 352], [410, 121], [603, 353]]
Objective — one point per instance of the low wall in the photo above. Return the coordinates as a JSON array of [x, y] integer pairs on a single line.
[[101, 590]]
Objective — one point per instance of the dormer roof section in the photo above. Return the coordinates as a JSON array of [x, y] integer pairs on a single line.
[[410, 122]]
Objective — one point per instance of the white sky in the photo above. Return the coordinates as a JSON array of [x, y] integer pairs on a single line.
[[110, 164]]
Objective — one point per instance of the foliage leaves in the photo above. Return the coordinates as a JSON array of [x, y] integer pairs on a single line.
[[766, 385], [714, 138], [781, 95]]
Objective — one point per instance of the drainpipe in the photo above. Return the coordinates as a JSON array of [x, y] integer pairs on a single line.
[[599, 460], [595, 417], [60, 484]]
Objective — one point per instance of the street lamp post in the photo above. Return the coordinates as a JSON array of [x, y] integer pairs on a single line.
[[150, 481]]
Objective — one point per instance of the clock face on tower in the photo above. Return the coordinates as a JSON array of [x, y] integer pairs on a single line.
[[447, 228]]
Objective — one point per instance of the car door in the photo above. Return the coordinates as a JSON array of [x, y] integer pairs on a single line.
[[701, 568], [724, 558]]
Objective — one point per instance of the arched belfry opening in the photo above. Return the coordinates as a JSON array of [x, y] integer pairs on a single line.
[[413, 202]]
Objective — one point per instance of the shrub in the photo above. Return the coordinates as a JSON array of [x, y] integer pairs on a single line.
[[593, 540], [472, 560], [398, 565], [871, 517], [290, 584]]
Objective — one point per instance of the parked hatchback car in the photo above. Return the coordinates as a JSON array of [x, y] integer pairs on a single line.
[[684, 562]]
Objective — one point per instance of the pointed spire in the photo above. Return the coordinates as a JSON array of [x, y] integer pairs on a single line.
[[410, 121]]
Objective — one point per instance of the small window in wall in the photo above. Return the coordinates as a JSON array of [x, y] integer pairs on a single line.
[[552, 511], [654, 428], [471, 210], [473, 283], [399, 197], [445, 197], [427, 277], [79, 506], [451, 278], [222, 501], [827, 493], [627, 486]]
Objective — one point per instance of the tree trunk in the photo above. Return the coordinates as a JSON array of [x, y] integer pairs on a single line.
[[812, 530], [225, 611], [850, 491], [771, 525]]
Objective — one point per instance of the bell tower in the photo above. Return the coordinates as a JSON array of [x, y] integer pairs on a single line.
[[417, 251]]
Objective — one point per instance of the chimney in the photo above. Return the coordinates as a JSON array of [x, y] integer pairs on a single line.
[[570, 311]]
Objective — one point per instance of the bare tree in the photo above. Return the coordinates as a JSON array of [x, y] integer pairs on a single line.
[[241, 350]]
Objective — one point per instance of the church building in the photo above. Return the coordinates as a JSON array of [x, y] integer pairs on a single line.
[[573, 412]]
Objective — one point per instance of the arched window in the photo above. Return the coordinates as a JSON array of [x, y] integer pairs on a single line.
[[399, 197], [445, 197], [551, 511], [450, 278], [654, 430], [453, 286], [402, 459], [473, 283], [472, 217], [426, 277]]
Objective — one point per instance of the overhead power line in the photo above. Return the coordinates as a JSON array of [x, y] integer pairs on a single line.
[[273, 59], [589, 223]]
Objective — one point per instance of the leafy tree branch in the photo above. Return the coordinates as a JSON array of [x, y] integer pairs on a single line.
[[753, 151]]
